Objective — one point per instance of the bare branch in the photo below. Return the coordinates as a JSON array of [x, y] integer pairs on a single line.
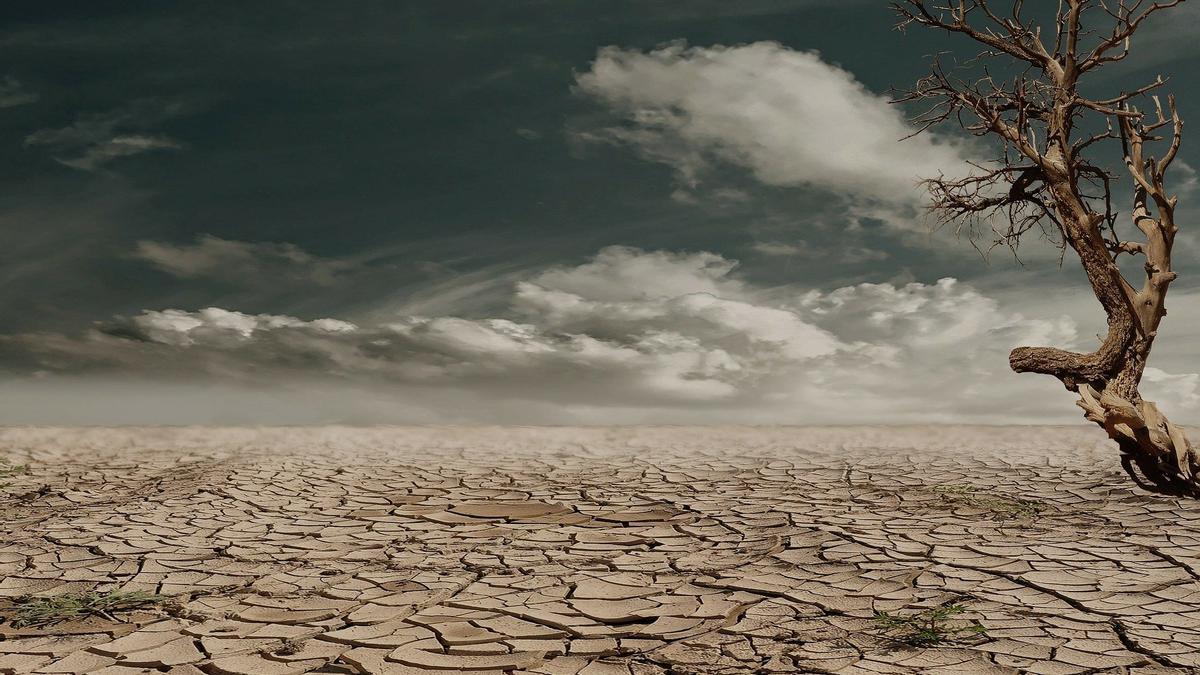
[[1128, 20], [1044, 179], [1015, 41]]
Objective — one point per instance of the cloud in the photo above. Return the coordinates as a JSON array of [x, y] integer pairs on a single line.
[[248, 262], [1189, 181], [103, 152], [623, 273], [1169, 36], [633, 325], [707, 9], [96, 139], [13, 93], [803, 250], [787, 116], [629, 336], [1183, 388]]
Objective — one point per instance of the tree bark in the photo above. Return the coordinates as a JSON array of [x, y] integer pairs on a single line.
[[1108, 379], [1044, 174]]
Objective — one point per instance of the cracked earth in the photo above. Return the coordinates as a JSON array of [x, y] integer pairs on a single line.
[[595, 551]]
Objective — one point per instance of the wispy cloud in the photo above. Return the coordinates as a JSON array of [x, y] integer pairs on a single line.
[[247, 262], [13, 93], [1189, 178], [803, 250], [1169, 36], [96, 139], [103, 152]]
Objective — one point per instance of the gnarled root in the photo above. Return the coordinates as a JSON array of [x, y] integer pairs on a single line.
[[1149, 441]]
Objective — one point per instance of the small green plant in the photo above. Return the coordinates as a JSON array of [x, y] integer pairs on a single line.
[[8, 470], [928, 627], [46, 610], [1004, 508], [954, 490], [290, 647]]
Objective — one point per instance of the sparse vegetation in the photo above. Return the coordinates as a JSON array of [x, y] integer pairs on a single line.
[[46, 610], [290, 647], [928, 627], [8, 470], [1003, 508]]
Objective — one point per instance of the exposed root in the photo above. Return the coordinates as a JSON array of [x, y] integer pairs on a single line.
[[1151, 444]]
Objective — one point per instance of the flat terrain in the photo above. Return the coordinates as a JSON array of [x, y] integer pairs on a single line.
[[595, 551]]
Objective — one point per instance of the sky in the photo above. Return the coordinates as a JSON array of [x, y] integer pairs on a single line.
[[520, 212]]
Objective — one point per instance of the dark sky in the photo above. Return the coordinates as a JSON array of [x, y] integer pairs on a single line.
[[371, 162]]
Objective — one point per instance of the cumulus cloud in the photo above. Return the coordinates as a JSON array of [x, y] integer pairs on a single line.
[[248, 262], [1183, 389], [629, 336], [96, 139], [13, 93], [787, 116]]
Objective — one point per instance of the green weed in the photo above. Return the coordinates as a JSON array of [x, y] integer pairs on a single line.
[[50, 609], [1004, 508], [928, 627]]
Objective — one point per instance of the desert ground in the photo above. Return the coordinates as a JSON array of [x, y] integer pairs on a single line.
[[590, 551]]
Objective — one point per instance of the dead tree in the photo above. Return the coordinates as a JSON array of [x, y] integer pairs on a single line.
[[1023, 92]]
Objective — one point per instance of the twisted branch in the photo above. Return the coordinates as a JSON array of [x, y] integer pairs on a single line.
[[1043, 179]]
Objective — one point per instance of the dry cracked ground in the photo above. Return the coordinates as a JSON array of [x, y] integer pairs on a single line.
[[594, 551]]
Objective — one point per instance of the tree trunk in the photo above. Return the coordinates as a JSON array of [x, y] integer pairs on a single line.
[[1044, 175], [1107, 380], [1147, 439]]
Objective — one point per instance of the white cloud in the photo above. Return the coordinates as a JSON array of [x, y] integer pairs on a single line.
[[629, 336], [803, 250], [780, 248], [1183, 388], [789, 117], [180, 328], [96, 139], [247, 262], [1189, 179], [1169, 36], [103, 152], [621, 273], [13, 93]]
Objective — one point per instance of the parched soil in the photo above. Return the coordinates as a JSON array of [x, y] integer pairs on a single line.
[[595, 551]]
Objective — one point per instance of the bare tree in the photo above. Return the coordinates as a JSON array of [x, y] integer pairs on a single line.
[[1049, 177]]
